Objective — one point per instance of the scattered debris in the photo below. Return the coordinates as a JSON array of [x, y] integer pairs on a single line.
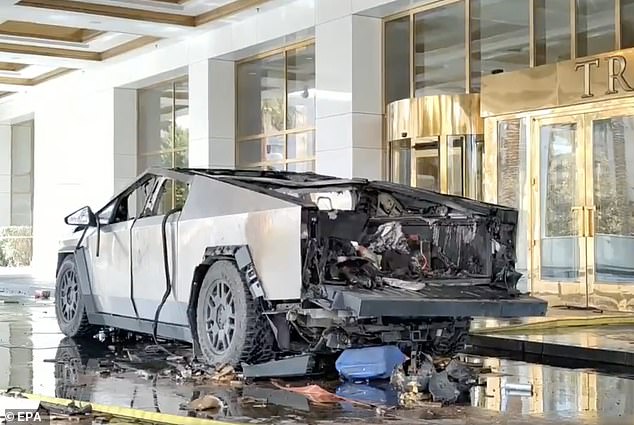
[[519, 389], [179, 359], [442, 389], [403, 284], [461, 373], [225, 373], [42, 294], [206, 402], [285, 367], [314, 393], [144, 374]]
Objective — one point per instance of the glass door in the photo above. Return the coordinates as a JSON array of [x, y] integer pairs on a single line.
[[559, 199], [610, 210], [401, 161], [426, 164]]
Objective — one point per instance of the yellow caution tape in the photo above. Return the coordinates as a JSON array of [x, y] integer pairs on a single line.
[[125, 412], [559, 323]]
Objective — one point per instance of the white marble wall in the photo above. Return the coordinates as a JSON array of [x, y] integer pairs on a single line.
[[5, 175], [125, 123], [212, 114], [349, 110]]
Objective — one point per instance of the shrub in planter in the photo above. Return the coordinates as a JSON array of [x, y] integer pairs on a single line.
[[16, 246]]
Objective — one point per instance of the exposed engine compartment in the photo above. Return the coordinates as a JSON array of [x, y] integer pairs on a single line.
[[384, 240], [379, 239]]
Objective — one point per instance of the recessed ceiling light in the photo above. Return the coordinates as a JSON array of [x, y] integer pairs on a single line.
[[94, 22]]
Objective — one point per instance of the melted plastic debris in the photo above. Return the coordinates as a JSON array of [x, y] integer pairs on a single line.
[[389, 237]]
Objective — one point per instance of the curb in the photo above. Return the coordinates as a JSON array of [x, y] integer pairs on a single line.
[[546, 349], [125, 412], [576, 322]]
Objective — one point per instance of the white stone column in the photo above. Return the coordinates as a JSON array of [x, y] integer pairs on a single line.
[[125, 134], [5, 175], [349, 128], [212, 114]]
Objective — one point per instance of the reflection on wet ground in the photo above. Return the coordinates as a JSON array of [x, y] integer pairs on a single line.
[[36, 357]]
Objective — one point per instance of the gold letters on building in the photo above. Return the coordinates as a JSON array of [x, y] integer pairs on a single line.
[[566, 83]]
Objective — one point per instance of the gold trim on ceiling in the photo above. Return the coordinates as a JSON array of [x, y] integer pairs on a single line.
[[145, 15], [23, 49], [77, 54], [127, 47], [48, 32], [111, 11], [227, 10], [12, 67], [37, 80]]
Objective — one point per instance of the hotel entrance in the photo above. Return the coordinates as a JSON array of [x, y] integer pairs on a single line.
[[569, 169], [583, 203]]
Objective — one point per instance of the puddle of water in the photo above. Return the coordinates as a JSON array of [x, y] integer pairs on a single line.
[[30, 345]]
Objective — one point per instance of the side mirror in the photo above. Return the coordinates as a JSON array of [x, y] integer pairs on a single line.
[[82, 217]]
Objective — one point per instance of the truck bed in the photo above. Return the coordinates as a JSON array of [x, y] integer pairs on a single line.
[[434, 301]]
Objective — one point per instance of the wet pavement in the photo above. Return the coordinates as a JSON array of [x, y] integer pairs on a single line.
[[35, 356]]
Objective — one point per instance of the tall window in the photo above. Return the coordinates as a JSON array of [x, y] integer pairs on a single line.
[[447, 48], [439, 46], [164, 131], [499, 37], [16, 231], [276, 110], [22, 174]]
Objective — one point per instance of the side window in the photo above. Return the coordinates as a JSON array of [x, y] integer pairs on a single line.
[[172, 194], [129, 205]]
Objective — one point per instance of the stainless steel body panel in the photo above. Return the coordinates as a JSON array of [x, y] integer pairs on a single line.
[[218, 213], [110, 271], [148, 269]]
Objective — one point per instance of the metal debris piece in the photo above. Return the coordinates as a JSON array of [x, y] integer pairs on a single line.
[[290, 366], [206, 402], [461, 373], [442, 389], [143, 374], [175, 359], [403, 284], [225, 373], [519, 389]]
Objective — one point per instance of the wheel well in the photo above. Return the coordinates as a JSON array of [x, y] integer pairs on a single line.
[[61, 256], [212, 255]]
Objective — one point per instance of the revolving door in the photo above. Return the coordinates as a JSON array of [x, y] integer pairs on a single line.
[[437, 143]]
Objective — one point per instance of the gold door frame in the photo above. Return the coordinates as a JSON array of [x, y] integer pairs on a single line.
[[612, 295], [607, 295], [574, 292]]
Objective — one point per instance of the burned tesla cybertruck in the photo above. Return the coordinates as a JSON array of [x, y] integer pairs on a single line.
[[252, 266]]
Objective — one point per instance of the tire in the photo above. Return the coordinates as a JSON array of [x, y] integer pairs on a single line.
[[69, 304], [231, 326], [70, 367]]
